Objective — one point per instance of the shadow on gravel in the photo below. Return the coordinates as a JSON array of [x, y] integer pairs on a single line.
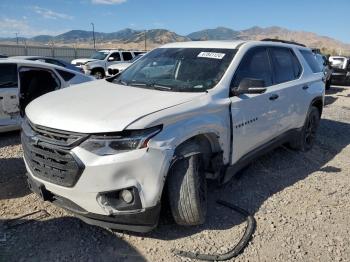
[[328, 100], [265, 177], [9, 138], [334, 90], [63, 239], [12, 170]]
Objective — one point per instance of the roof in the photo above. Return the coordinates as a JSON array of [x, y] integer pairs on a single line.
[[38, 64], [118, 50], [205, 44], [227, 44]]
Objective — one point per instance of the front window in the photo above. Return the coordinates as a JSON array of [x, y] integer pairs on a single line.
[[178, 69], [99, 55]]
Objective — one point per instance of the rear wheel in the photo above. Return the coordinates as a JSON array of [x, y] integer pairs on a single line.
[[306, 138], [187, 191]]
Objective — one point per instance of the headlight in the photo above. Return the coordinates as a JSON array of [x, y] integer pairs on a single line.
[[103, 145]]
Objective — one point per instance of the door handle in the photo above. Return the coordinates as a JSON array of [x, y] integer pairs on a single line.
[[273, 97], [305, 87]]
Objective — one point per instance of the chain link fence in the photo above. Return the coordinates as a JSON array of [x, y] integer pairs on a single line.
[[65, 53]]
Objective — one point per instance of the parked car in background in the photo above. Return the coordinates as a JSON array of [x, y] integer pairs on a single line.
[[341, 75], [183, 115], [50, 60], [21, 81], [338, 61], [98, 63], [326, 68], [3, 56], [120, 67]]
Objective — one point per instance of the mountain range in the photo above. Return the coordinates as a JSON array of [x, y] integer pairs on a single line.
[[130, 38]]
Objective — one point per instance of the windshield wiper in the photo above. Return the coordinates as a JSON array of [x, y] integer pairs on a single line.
[[9, 83], [151, 85]]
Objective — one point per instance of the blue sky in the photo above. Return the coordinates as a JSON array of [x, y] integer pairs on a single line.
[[30, 17]]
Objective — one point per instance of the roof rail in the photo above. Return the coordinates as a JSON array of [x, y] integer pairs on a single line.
[[282, 41]]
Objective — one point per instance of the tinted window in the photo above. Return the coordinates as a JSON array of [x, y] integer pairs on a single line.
[[115, 56], [127, 56], [138, 53], [311, 61], [285, 64], [8, 75], [65, 75], [255, 64]]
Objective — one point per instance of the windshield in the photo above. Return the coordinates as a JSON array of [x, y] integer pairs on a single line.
[[99, 55], [178, 69]]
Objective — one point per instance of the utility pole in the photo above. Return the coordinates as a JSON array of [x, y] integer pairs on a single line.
[[16, 38], [93, 34], [145, 40]]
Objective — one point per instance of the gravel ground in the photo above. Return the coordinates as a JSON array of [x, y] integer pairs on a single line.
[[301, 202]]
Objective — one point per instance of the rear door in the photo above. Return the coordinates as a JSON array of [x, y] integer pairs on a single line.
[[289, 88], [9, 110]]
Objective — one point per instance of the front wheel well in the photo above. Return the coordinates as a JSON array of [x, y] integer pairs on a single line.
[[98, 69]]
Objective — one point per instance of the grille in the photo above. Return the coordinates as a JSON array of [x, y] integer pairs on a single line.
[[48, 155]]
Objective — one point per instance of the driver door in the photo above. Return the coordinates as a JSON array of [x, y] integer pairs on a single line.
[[9, 109], [254, 116], [113, 58]]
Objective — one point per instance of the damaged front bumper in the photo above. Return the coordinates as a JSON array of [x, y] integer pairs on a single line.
[[143, 221]]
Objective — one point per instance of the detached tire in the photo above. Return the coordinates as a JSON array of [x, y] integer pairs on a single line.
[[305, 140], [187, 191]]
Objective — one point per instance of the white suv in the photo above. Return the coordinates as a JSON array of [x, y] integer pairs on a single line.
[[98, 63], [183, 115]]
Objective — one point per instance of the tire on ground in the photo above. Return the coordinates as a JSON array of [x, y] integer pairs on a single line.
[[187, 191], [305, 139]]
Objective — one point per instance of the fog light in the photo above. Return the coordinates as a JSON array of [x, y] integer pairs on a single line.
[[126, 195]]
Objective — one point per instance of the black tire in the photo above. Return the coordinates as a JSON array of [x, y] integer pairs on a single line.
[[98, 74], [305, 140], [187, 191]]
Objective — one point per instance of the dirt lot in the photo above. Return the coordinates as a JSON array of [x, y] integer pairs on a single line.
[[301, 202]]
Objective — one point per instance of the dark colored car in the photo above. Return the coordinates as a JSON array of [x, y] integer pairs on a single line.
[[51, 60], [341, 76]]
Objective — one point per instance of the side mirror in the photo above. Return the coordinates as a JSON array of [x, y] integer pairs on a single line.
[[111, 58], [250, 86]]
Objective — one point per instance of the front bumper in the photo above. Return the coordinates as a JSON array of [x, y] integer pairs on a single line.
[[143, 221], [143, 169]]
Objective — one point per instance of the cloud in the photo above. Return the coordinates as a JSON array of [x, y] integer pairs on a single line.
[[9, 26], [49, 14], [108, 2]]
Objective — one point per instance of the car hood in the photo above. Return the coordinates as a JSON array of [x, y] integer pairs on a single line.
[[100, 106], [82, 61]]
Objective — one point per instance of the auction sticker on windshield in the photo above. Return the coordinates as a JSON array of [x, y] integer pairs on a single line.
[[211, 55]]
